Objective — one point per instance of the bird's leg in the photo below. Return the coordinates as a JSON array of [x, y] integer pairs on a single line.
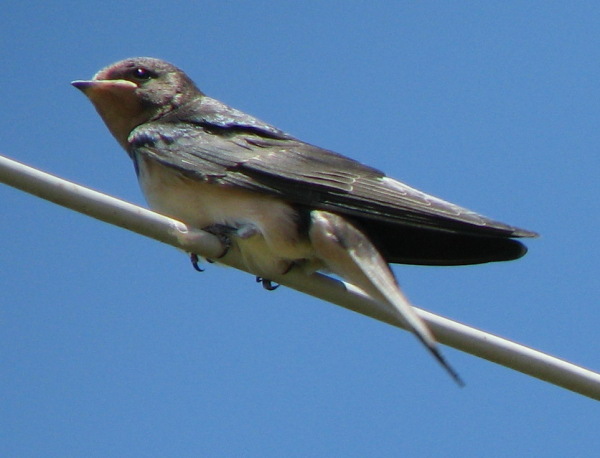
[[242, 231], [224, 233]]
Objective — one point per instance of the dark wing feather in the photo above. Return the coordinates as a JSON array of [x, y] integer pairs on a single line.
[[210, 141]]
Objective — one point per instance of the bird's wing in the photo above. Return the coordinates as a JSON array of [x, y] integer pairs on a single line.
[[210, 141]]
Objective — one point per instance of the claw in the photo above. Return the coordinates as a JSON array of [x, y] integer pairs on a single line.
[[267, 284], [195, 260]]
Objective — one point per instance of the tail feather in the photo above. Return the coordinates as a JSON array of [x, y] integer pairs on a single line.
[[349, 253]]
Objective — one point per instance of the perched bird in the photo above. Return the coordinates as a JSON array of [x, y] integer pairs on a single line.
[[282, 202]]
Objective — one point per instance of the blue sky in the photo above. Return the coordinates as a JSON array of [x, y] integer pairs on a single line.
[[113, 345]]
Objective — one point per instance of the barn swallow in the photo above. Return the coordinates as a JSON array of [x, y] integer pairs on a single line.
[[282, 202]]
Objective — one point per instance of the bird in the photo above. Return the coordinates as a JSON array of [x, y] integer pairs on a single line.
[[281, 202]]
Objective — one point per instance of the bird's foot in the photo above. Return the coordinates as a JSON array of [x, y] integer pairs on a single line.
[[268, 284], [223, 233]]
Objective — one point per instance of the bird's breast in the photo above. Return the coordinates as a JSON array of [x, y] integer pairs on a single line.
[[201, 204]]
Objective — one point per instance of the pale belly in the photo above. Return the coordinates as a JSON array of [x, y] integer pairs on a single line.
[[272, 250]]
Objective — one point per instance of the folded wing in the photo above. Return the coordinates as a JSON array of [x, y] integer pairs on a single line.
[[228, 147]]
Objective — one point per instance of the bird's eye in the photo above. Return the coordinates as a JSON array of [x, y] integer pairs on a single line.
[[141, 73]]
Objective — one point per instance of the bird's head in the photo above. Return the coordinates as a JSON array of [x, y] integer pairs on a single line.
[[138, 90]]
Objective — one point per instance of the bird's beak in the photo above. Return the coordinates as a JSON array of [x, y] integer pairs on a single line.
[[89, 87]]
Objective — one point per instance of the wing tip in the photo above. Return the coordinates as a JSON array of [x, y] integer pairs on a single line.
[[524, 233]]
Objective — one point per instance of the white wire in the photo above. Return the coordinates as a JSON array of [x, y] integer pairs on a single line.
[[145, 222]]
